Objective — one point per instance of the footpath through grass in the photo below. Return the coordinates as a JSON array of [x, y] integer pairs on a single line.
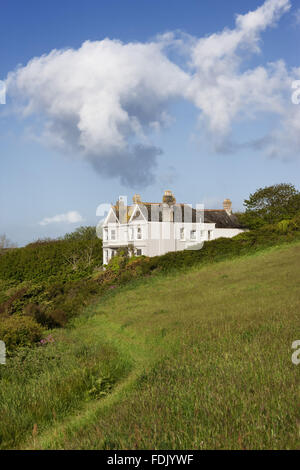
[[194, 360]]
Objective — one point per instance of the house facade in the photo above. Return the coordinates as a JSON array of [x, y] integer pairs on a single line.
[[153, 229]]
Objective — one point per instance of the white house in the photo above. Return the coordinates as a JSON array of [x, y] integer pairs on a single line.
[[153, 229]]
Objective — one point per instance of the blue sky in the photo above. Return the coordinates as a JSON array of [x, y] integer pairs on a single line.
[[224, 124]]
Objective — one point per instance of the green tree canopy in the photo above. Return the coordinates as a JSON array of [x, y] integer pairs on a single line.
[[271, 204], [82, 233]]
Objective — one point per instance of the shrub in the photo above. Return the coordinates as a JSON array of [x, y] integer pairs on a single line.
[[19, 331], [74, 257], [54, 319], [283, 226], [117, 263]]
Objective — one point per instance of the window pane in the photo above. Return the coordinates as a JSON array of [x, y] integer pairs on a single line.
[[193, 234]]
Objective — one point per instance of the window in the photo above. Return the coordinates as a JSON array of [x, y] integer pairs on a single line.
[[139, 252], [209, 234], [193, 234], [131, 233], [182, 233], [105, 256], [105, 234], [113, 234], [139, 233]]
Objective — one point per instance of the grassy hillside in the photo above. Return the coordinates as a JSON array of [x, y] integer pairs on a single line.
[[191, 360], [45, 284]]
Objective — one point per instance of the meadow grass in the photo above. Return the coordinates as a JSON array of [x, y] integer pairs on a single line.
[[193, 360]]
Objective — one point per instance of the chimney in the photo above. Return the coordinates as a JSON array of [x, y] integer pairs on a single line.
[[168, 198], [167, 213], [122, 207], [136, 199], [227, 206]]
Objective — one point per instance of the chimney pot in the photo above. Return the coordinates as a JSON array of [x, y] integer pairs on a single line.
[[136, 199], [227, 206], [168, 197]]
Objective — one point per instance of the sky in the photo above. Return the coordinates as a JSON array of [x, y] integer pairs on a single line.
[[136, 96]]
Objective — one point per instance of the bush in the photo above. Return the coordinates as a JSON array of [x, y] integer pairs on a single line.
[[283, 226], [74, 257], [19, 331]]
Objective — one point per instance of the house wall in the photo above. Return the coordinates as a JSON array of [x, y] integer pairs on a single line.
[[158, 238]]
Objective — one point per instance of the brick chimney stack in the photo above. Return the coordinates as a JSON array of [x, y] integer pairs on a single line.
[[136, 199], [168, 198], [227, 206], [167, 209]]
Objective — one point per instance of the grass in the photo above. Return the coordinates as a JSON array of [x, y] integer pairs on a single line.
[[189, 360]]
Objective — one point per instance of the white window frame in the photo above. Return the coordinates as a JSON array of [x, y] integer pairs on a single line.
[[194, 236], [105, 234], [139, 233], [113, 234]]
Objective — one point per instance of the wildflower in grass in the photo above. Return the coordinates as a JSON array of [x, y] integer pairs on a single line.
[[48, 339]]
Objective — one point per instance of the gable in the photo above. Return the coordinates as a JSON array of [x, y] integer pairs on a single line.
[[111, 218], [140, 213]]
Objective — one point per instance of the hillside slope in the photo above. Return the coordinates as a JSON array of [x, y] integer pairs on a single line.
[[195, 360]]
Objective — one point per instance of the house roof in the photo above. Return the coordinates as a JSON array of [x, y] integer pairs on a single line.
[[221, 218], [153, 213]]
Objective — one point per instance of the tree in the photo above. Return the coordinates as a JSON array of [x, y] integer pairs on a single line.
[[83, 247], [82, 233], [270, 205]]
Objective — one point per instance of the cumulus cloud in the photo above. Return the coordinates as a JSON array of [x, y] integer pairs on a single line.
[[104, 100], [101, 101], [222, 88], [70, 217]]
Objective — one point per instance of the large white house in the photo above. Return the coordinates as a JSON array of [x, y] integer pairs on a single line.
[[153, 229]]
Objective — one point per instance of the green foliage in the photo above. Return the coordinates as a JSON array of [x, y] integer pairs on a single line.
[[270, 205], [73, 257], [82, 233], [118, 262], [17, 331], [283, 226]]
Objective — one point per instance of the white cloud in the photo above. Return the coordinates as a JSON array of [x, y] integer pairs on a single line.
[[101, 100], [104, 100], [69, 218], [221, 88]]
